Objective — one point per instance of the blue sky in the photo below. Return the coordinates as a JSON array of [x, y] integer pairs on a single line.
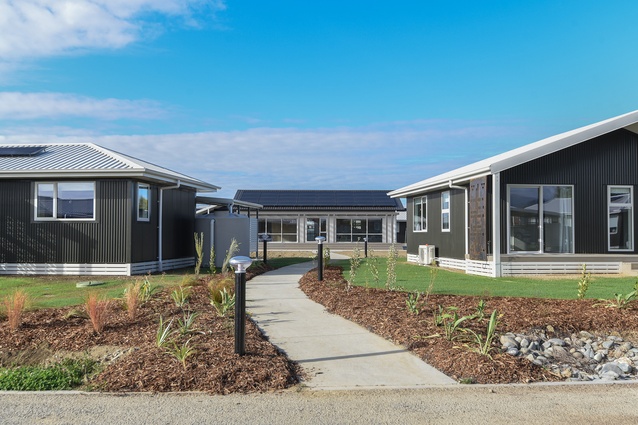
[[311, 95]]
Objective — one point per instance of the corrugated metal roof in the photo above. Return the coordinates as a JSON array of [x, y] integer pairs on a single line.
[[321, 199], [86, 159], [521, 155]]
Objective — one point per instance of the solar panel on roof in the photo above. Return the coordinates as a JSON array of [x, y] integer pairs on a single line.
[[21, 150]]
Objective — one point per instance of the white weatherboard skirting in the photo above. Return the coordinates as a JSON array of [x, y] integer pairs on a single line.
[[486, 268], [94, 269]]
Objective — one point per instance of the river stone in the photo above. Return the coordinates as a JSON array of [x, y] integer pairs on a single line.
[[586, 335], [626, 346], [508, 341], [578, 355], [610, 367], [524, 343], [512, 351], [608, 344], [598, 357]]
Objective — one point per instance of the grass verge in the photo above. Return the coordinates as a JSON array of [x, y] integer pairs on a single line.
[[413, 277]]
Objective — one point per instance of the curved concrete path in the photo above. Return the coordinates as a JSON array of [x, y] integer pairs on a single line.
[[336, 353]]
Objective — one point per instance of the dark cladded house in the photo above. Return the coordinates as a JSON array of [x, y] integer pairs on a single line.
[[547, 207], [83, 209]]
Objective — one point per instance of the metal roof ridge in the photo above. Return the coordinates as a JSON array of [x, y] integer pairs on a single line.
[[508, 159]]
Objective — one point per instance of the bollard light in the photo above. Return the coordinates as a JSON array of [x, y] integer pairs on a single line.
[[320, 240], [365, 247], [265, 238], [240, 264]]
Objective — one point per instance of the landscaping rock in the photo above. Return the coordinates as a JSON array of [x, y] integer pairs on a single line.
[[580, 357]]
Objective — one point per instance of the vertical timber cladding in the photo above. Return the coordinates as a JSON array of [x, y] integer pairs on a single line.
[[103, 240], [478, 219]]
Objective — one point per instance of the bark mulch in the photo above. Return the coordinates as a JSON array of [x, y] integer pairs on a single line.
[[132, 360], [385, 313]]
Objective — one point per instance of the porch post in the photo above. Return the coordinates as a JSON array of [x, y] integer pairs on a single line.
[[496, 223]]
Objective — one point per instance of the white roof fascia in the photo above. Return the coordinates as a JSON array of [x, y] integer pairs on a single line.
[[521, 155]]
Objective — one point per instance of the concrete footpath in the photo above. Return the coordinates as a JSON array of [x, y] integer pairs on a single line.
[[335, 353]]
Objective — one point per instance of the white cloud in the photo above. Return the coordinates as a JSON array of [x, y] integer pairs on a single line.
[[38, 28], [24, 106], [379, 157]]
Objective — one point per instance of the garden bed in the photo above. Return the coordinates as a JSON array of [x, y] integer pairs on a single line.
[[385, 313], [129, 354]]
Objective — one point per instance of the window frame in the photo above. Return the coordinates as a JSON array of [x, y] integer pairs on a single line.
[[631, 220], [423, 217], [540, 219], [279, 236], [148, 206], [54, 206], [446, 211]]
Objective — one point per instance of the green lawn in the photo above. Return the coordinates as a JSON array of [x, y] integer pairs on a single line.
[[60, 291], [413, 277]]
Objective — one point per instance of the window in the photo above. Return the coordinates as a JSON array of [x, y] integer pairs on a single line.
[[445, 211], [420, 216], [143, 202], [356, 229], [540, 219], [281, 229], [316, 227], [620, 218], [65, 201]]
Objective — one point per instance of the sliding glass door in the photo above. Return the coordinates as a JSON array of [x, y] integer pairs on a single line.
[[540, 219]]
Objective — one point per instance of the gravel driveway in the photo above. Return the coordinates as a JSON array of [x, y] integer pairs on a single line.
[[558, 403]]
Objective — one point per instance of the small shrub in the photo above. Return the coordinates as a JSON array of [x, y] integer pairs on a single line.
[[326, 256], [199, 250], [225, 305], [621, 300], [132, 299], [373, 266], [355, 263], [584, 283], [14, 307], [449, 319], [414, 303], [218, 285], [180, 296], [211, 260], [480, 310], [391, 281], [147, 290], [232, 250], [182, 352], [98, 310], [187, 325], [483, 344], [162, 337]]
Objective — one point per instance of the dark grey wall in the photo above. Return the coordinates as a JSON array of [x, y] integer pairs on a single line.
[[23, 240], [448, 244], [179, 224], [590, 166]]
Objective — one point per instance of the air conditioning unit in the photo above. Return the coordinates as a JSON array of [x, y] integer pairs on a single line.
[[427, 254]]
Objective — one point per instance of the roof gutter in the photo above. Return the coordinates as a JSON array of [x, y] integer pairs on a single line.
[[160, 227]]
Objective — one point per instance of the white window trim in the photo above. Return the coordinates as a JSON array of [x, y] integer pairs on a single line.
[[424, 220], [55, 202], [446, 211], [609, 205], [541, 222], [137, 204]]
